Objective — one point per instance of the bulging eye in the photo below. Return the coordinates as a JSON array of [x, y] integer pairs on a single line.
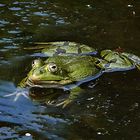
[[52, 67], [37, 63]]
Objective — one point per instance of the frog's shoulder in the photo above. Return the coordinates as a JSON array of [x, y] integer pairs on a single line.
[[66, 48]]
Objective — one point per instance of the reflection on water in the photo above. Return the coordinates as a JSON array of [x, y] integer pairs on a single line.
[[110, 110], [21, 117]]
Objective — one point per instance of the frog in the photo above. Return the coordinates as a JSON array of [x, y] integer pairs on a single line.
[[64, 72], [70, 64]]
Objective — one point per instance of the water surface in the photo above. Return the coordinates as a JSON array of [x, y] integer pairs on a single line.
[[110, 110]]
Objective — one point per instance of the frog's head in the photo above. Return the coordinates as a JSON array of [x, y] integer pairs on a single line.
[[46, 74]]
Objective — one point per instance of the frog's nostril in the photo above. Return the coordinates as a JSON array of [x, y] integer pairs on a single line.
[[41, 71], [38, 72]]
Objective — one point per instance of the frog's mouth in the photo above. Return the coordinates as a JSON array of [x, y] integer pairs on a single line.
[[44, 84]]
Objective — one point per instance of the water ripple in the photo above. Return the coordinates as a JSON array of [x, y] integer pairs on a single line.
[[14, 32], [15, 8], [4, 22], [41, 13], [6, 40], [2, 5]]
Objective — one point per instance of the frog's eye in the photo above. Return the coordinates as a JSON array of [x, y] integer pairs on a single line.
[[37, 63], [52, 67]]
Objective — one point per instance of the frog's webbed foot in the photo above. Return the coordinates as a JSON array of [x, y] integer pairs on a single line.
[[74, 93], [64, 103], [17, 94]]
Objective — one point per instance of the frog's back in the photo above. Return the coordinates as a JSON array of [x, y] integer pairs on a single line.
[[77, 67], [66, 48]]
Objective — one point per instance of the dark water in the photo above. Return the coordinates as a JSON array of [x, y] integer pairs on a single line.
[[109, 111]]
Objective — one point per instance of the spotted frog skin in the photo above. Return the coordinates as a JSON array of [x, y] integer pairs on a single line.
[[117, 61], [63, 72], [70, 64], [63, 69]]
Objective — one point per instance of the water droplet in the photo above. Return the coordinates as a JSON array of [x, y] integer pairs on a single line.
[[99, 133], [133, 12], [90, 98], [129, 5], [27, 134], [89, 6]]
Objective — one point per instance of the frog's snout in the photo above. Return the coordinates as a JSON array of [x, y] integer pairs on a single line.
[[39, 71]]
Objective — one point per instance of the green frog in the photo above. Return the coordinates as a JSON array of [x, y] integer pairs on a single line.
[[70, 64], [66, 72]]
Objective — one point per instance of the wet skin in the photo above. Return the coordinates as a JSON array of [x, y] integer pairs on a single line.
[[59, 71], [67, 70]]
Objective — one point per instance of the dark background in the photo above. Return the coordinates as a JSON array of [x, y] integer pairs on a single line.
[[110, 111]]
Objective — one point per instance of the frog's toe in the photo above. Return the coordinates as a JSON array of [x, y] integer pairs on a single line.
[[17, 94], [49, 102], [138, 66], [64, 103]]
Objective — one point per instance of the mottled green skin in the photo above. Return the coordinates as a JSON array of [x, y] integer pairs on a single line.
[[65, 48], [116, 61], [69, 70], [70, 63]]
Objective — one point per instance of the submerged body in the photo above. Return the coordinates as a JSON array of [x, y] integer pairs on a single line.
[[68, 71]]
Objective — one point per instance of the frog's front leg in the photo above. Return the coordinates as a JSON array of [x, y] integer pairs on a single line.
[[74, 93], [22, 84]]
